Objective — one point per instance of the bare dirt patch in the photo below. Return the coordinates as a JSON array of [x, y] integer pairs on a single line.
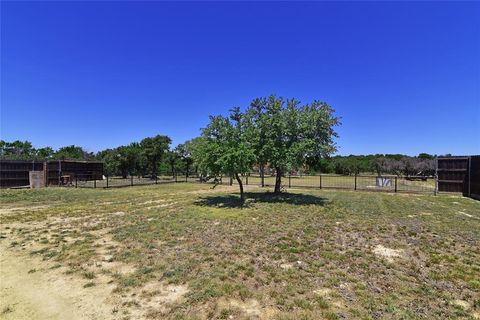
[[247, 309], [387, 253], [16, 210], [47, 293]]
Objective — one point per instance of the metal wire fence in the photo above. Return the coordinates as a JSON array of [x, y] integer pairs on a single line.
[[388, 183]]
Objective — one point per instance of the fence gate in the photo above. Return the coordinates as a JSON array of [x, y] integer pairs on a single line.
[[460, 175]]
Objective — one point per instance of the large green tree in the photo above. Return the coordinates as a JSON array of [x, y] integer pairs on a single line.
[[285, 134], [226, 148]]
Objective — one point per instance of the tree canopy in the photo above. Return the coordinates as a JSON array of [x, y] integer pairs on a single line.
[[286, 134], [153, 149], [225, 148]]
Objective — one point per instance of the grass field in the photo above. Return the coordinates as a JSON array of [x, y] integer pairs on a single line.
[[185, 251]]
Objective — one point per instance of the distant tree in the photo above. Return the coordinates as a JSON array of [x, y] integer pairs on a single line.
[[171, 158], [427, 167], [418, 167], [425, 156], [45, 153], [19, 150], [226, 149], [72, 153], [153, 150], [184, 152], [128, 159], [285, 134], [110, 160], [196, 147]]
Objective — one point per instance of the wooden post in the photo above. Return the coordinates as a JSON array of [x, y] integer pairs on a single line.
[[320, 180], [355, 188], [107, 181], [246, 180], [396, 183], [131, 180], [231, 180], [94, 183], [290, 180], [45, 174]]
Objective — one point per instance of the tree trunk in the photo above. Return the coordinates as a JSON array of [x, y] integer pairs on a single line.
[[154, 167], [262, 174], [240, 184], [278, 181]]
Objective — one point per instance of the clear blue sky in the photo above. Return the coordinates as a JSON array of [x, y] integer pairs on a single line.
[[405, 77]]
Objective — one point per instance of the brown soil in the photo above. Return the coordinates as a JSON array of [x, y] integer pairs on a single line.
[[31, 290]]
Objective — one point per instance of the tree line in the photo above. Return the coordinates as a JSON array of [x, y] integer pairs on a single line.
[[272, 136]]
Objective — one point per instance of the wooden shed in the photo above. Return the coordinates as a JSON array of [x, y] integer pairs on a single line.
[[16, 173]]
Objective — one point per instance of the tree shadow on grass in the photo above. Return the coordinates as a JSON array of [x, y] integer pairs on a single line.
[[233, 201]]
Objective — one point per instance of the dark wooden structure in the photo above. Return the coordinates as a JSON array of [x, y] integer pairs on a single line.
[[459, 174], [59, 171], [15, 173], [474, 187]]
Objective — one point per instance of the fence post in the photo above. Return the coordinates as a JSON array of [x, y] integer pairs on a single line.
[[94, 183], [156, 178], [76, 181], [290, 180], [262, 176], [107, 181], [355, 182], [186, 176], [231, 180], [396, 177], [320, 180], [131, 180], [175, 173], [246, 180]]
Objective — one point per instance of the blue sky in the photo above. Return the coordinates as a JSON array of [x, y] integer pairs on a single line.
[[404, 77]]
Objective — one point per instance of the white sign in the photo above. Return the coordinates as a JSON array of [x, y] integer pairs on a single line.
[[384, 182]]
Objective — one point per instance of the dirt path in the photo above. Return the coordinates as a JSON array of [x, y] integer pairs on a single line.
[[47, 293]]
